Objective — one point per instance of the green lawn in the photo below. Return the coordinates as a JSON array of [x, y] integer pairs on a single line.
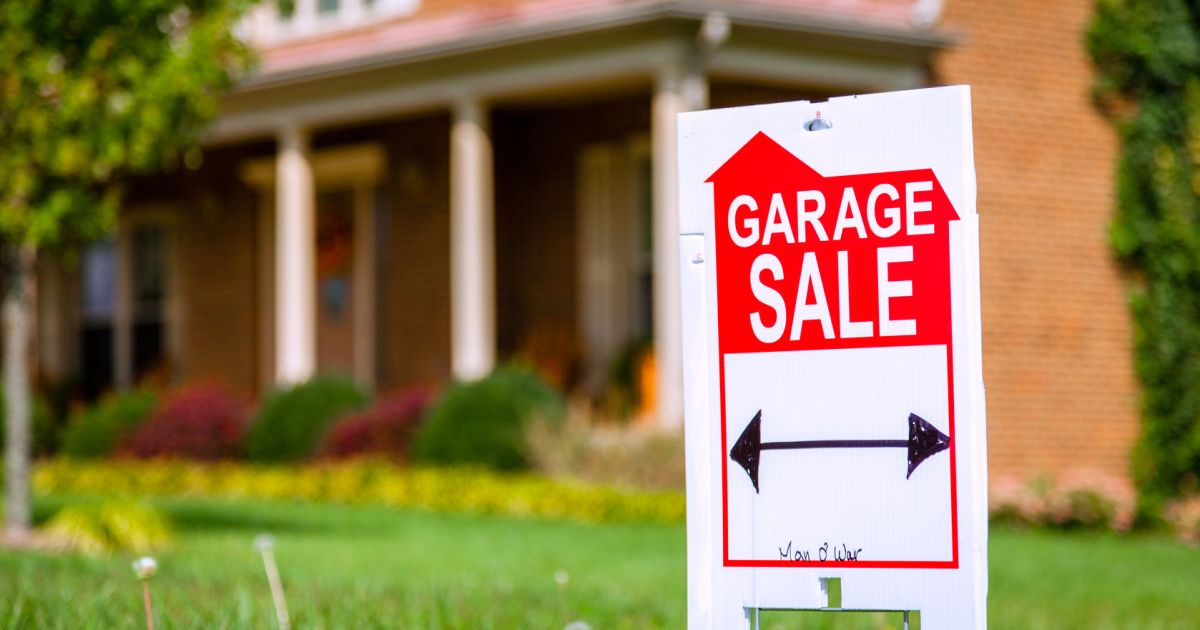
[[361, 567]]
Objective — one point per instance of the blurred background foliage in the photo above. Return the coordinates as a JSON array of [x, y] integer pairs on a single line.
[[198, 422], [386, 429], [1147, 56], [292, 420], [485, 422], [96, 91], [108, 526], [93, 92], [45, 430], [97, 431], [365, 481]]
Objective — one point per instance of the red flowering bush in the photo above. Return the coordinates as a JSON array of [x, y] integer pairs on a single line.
[[387, 428], [204, 423], [1080, 499]]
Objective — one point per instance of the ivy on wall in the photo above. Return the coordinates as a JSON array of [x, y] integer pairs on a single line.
[[1147, 57]]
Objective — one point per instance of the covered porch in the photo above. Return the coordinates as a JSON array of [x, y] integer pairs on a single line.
[[420, 215]]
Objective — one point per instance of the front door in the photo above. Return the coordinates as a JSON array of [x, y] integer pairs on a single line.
[[335, 282]]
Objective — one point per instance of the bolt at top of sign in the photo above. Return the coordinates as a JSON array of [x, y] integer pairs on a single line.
[[924, 440]]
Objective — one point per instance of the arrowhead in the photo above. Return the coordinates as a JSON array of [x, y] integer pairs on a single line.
[[924, 441], [747, 448]]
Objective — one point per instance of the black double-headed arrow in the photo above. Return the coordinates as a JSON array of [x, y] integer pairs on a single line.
[[924, 441]]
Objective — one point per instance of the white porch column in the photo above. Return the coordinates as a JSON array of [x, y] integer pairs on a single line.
[[472, 244], [681, 86], [295, 271]]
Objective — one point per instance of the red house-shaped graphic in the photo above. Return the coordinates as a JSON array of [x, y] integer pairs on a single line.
[[809, 262]]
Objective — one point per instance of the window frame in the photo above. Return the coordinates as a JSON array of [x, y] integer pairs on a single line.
[[165, 218]]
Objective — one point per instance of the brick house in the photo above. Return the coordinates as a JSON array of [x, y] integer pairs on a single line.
[[409, 191]]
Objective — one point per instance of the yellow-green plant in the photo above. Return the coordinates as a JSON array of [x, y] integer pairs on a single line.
[[362, 481], [110, 526]]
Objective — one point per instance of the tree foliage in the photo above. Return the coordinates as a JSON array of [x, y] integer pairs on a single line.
[[94, 91], [1147, 54]]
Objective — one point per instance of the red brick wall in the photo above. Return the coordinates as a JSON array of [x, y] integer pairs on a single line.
[[1056, 330], [414, 255], [218, 284], [219, 288]]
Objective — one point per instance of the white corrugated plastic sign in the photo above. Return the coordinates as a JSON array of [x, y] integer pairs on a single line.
[[834, 394]]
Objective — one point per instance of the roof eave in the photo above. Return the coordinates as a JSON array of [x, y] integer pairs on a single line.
[[910, 41]]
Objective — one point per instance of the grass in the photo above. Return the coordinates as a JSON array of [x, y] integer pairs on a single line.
[[362, 567], [365, 567], [1047, 580]]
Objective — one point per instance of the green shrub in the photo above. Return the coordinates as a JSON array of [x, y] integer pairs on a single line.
[[291, 421], [44, 431], [484, 422], [97, 431]]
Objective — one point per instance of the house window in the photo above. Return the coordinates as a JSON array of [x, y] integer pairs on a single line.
[[99, 288], [123, 332], [148, 312], [615, 257]]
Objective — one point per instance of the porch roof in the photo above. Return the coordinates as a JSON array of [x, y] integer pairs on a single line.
[[519, 49], [485, 26]]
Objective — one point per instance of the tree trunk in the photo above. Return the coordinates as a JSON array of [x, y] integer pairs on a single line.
[[18, 508]]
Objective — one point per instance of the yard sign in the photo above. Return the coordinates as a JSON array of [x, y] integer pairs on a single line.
[[833, 380]]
